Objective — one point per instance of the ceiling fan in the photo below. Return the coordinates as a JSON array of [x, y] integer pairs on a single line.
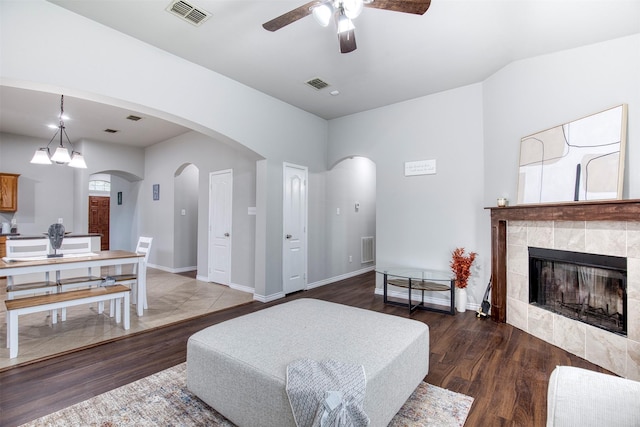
[[343, 12]]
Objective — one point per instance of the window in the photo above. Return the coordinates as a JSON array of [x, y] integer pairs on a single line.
[[100, 186]]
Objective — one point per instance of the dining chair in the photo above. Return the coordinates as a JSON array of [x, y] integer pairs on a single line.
[[76, 278], [25, 250], [29, 284], [131, 279]]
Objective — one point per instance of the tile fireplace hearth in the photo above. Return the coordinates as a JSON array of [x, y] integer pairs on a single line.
[[610, 228]]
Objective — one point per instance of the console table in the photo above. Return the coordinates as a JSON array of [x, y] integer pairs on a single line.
[[421, 280]]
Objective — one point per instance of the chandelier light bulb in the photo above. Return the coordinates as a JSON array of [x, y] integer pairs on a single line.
[[61, 155], [41, 157], [77, 161]]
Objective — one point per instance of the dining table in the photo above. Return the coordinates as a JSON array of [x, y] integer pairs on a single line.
[[117, 258]]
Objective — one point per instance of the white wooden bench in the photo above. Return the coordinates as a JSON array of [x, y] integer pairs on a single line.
[[38, 303]]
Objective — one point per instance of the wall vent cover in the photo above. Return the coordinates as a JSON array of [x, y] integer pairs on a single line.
[[367, 249], [317, 83], [188, 12]]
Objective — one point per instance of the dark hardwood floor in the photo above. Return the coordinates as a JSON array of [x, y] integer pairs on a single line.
[[504, 369]]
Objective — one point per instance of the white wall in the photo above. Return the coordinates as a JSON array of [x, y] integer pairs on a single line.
[[474, 134], [49, 192], [123, 224], [421, 219], [539, 93], [224, 109], [117, 160], [45, 192], [185, 221], [162, 162], [350, 181]]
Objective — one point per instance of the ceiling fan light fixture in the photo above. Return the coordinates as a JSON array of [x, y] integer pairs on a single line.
[[353, 8], [343, 23], [322, 13]]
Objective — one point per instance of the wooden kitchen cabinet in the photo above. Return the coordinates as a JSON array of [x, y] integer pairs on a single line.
[[8, 192], [3, 249]]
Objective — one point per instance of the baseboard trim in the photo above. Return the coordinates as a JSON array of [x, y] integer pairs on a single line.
[[338, 278], [242, 288], [173, 270], [268, 298]]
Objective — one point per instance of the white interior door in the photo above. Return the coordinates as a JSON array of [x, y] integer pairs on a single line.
[[294, 257], [220, 201]]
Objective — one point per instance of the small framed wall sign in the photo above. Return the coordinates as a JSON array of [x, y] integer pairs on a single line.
[[420, 167], [119, 197], [156, 191]]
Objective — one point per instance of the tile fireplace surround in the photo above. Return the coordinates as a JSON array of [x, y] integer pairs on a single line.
[[606, 228]]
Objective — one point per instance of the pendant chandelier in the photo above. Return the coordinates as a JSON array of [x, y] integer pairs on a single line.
[[61, 156]]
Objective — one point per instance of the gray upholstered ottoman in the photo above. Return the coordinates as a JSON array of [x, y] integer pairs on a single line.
[[239, 367]]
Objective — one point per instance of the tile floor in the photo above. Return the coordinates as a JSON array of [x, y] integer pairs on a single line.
[[171, 297]]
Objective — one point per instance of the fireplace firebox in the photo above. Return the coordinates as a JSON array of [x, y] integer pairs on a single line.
[[590, 288]]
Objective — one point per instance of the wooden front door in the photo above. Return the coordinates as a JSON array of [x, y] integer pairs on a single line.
[[99, 219]]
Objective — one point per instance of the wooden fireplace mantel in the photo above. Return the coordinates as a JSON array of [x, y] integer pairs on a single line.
[[607, 210]]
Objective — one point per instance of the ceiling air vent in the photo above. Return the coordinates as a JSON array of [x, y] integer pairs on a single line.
[[317, 83], [111, 131], [188, 12], [134, 118]]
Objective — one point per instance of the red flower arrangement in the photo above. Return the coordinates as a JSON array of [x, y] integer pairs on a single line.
[[461, 266]]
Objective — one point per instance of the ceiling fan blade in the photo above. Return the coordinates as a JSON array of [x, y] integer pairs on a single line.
[[291, 16], [347, 41], [418, 7]]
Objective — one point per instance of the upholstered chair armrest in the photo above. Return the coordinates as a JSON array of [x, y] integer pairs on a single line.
[[579, 397]]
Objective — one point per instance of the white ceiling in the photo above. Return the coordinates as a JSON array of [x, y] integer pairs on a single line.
[[31, 113], [400, 56]]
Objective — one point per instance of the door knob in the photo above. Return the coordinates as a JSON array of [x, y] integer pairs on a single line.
[[288, 236], [226, 234]]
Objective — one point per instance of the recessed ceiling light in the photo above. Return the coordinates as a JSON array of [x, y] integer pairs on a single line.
[[335, 92]]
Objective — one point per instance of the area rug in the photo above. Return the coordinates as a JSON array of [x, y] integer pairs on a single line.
[[162, 399]]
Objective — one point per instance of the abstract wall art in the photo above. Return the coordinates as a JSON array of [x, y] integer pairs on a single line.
[[576, 161]]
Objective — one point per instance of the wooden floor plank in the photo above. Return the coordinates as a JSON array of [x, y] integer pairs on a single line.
[[503, 368]]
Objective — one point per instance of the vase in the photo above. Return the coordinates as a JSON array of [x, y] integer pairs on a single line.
[[461, 299]]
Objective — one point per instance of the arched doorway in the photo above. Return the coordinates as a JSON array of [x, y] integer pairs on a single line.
[[100, 207], [113, 198], [185, 218], [351, 216]]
